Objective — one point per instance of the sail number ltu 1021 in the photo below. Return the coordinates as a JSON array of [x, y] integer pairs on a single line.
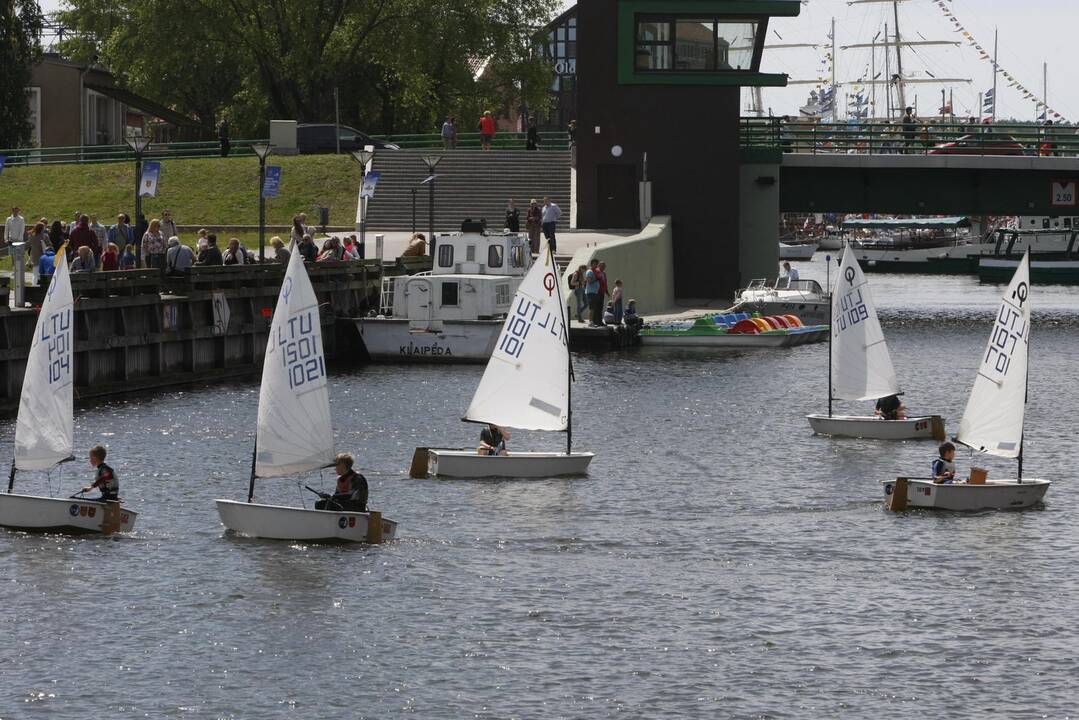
[[56, 332], [519, 324], [301, 352]]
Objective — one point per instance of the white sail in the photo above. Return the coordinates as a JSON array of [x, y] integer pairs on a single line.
[[861, 366], [526, 383], [294, 430], [993, 420], [44, 430]]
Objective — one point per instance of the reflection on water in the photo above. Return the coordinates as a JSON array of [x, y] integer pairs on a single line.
[[719, 560]]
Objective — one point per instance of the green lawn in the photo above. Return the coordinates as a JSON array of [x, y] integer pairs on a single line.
[[202, 191]]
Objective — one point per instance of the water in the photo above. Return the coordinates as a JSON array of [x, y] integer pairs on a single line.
[[719, 561]]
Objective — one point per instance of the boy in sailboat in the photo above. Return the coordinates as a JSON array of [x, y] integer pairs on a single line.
[[105, 478], [944, 466], [351, 492], [891, 408], [493, 440]]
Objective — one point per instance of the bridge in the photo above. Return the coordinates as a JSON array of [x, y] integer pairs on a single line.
[[937, 168]]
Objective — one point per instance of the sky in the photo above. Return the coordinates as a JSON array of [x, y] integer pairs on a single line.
[[1032, 32]]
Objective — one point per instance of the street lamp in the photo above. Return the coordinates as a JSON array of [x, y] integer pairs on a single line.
[[363, 157], [138, 143], [263, 151], [431, 161]]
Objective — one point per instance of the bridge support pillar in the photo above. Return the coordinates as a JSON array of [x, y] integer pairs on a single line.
[[758, 221]]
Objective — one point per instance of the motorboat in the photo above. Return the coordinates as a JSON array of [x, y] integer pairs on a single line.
[[800, 251], [805, 299], [734, 330], [454, 312]]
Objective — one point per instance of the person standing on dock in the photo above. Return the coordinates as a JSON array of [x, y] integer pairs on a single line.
[[212, 254], [449, 133], [576, 284], [533, 224], [487, 130], [84, 261], [168, 225], [179, 258], [14, 227], [513, 217], [235, 254], [36, 242], [83, 237], [591, 293], [551, 213], [121, 232], [307, 249], [153, 246]]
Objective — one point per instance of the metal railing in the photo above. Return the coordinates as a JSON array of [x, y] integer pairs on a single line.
[[120, 153], [471, 141], [924, 137]]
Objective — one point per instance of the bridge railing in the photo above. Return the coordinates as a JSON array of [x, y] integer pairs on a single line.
[[471, 140], [118, 153], [924, 137]]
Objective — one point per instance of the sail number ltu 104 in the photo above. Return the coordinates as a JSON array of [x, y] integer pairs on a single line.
[[301, 352], [55, 331], [525, 316]]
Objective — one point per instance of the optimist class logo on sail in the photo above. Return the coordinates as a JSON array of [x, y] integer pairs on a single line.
[[526, 315], [852, 308]]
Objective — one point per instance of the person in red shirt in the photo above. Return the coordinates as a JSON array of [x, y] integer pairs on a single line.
[[110, 259], [487, 130], [83, 236]]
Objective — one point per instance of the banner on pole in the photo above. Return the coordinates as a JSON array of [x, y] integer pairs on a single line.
[[370, 182], [272, 184], [151, 173], [3, 159]]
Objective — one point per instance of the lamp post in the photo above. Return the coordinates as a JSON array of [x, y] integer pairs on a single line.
[[363, 157], [431, 161], [263, 151], [138, 143]]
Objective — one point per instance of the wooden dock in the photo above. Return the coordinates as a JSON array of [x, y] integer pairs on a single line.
[[140, 329]]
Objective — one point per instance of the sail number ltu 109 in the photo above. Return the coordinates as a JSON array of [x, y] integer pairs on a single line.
[[301, 352], [519, 324], [852, 310], [55, 331]]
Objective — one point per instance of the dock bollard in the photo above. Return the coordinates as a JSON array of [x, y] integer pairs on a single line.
[[898, 501], [374, 527], [380, 241], [18, 266], [418, 469]]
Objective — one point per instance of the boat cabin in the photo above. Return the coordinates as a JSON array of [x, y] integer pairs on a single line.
[[476, 252], [907, 233]]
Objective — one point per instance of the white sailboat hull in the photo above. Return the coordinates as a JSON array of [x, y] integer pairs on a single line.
[[797, 252], [964, 497], [875, 428], [32, 513], [280, 522], [460, 341], [470, 464]]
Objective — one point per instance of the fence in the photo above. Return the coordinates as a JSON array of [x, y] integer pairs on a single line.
[[502, 141], [119, 153], [924, 138]]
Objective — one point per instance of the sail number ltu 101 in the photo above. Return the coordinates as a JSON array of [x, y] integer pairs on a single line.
[[526, 315], [1010, 329]]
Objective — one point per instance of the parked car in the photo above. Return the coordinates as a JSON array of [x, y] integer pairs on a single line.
[[981, 144], [315, 138]]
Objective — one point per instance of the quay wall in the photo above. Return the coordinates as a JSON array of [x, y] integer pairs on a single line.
[[138, 329]]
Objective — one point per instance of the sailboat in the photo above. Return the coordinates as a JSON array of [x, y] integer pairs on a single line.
[[294, 433], [45, 428], [993, 420], [526, 386], [860, 367]]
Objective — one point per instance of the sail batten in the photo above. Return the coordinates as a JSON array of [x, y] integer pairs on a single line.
[[861, 365], [525, 383], [295, 432], [993, 420], [45, 429]]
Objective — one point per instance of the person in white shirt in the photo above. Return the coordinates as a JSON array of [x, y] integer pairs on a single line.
[[15, 227], [101, 231], [790, 273], [168, 225], [551, 213]]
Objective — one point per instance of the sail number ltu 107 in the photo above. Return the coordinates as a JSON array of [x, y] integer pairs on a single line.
[[55, 331], [301, 352], [526, 315]]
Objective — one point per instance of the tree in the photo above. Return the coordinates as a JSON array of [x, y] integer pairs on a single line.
[[20, 36]]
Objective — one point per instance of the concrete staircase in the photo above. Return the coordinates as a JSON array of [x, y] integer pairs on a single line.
[[470, 184]]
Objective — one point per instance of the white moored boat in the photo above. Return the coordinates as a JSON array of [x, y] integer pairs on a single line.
[[860, 367], [992, 422], [294, 432], [801, 251], [45, 428], [454, 313], [526, 386], [805, 299]]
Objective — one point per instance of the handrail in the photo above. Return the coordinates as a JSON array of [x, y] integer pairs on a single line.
[[926, 136], [504, 140], [122, 153]]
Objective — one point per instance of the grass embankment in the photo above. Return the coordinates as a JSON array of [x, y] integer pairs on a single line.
[[198, 191]]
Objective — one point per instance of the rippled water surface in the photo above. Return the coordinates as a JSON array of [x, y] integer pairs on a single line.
[[719, 561]]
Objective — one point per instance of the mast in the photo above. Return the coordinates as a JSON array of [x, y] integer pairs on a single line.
[[887, 74], [899, 59], [251, 484], [834, 98], [996, 47], [1045, 88], [873, 76]]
